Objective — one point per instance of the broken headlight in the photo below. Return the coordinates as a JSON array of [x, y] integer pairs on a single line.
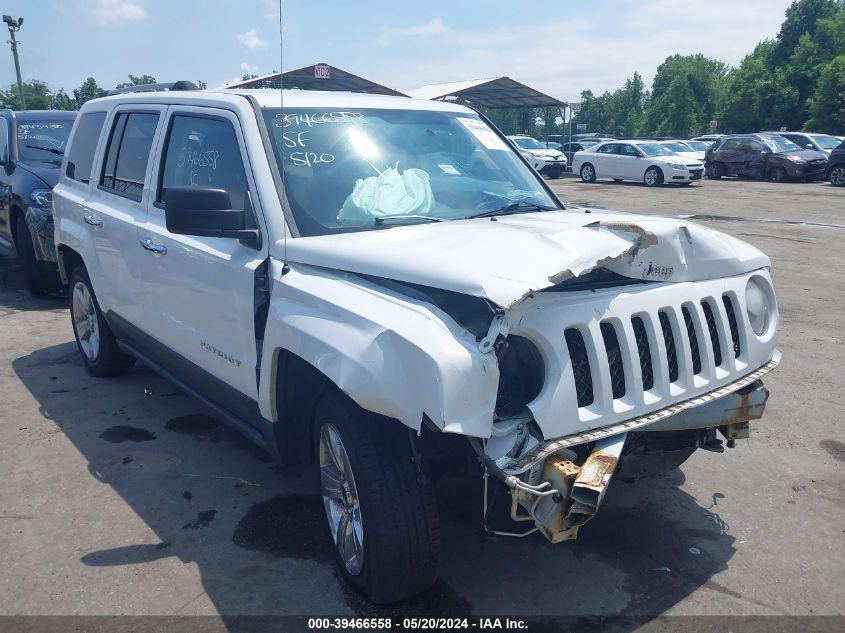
[[522, 374]]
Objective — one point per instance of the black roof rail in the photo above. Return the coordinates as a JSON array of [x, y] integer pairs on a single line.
[[175, 85]]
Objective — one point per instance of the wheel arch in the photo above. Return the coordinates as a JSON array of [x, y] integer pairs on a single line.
[[68, 259]]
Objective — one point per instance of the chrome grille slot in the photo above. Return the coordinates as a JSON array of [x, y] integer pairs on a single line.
[[644, 352], [714, 332], [729, 309], [614, 360], [580, 366], [693, 341], [669, 340]]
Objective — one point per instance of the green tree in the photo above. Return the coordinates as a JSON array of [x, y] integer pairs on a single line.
[[89, 89], [36, 93], [62, 101], [684, 95], [137, 80], [827, 105]]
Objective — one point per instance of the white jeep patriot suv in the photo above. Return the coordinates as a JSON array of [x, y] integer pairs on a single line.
[[356, 281]]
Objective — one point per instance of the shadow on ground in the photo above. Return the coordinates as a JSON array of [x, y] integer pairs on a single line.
[[258, 536]]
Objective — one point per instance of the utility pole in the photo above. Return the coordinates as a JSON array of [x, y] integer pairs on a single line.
[[14, 26]]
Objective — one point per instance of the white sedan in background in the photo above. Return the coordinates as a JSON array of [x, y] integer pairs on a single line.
[[648, 162], [684, 149], [549, 162]]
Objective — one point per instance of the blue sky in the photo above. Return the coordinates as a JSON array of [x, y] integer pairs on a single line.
[[559, 47]]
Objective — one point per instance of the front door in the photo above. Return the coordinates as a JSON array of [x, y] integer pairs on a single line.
[[631, 166], [200, 291]]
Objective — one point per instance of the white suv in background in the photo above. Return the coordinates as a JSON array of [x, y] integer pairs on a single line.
[[382, 288], [647, 162], [549, 162]]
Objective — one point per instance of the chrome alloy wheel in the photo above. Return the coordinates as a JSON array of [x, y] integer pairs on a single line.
[[340, 498], [651, 177], [587, 173], [837, 176], [85, 321]]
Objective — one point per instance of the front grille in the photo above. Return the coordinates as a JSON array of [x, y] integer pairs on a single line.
[[713, 331], [644, 352], [614, 360], [729, 309], [580, 366], [693, 341], [669, 340]]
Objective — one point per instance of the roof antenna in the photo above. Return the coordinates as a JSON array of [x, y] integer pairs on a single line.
[[282, 102]]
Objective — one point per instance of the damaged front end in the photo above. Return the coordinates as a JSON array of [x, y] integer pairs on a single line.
[[559, 485]]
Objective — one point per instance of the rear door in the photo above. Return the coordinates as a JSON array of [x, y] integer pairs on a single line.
[[731, 154], [199, 292], [115, 206]]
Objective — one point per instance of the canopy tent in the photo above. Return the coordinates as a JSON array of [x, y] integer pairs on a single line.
[[495, 94], [317, 77]]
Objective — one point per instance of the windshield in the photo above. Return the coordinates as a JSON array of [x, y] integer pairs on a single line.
[[781, 144], [826, 142], [655, 149], [43, 139], [676, 146], [371, 168], [698, 146], [529, 143]]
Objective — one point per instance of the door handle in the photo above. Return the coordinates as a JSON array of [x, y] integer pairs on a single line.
[[93, 221], [159, 249]]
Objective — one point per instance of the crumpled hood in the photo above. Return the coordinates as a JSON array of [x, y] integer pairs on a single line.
[[506, 259]]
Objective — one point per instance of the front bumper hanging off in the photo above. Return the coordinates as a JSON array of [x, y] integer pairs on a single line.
[[559, 495]]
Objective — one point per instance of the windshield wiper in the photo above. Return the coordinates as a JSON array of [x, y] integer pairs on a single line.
[[47, 149], [514, 207], [387, 218]]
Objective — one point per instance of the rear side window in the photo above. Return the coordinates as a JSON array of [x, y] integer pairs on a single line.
[[204, 152], [128, 153], [80, 157]]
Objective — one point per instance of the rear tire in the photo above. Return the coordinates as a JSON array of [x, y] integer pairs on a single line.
[[837, 176], [588, 173], [653, 177], [777, 174], [389, 543], [94, 338], [40, 278]]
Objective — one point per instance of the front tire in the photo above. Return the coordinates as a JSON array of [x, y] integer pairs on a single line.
[[653, 177], [94, 338], [588, 173], [837, 176], [379, 502], [715, 171], [40, 279]]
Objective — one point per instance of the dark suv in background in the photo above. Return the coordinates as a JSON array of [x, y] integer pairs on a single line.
[[836, 166], [32, 145], [763, 156]]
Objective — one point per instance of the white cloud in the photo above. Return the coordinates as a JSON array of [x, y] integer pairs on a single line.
[[251, 39], [431, 28], [116, 12], [594, 50], [249, 69]]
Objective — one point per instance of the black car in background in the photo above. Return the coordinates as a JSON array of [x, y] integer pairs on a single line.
[[836, 166], [32, 145], [763, 156]]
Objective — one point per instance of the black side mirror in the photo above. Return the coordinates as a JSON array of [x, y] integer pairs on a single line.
[[206, 212]]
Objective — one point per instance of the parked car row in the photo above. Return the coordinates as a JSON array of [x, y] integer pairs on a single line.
[[649, 162]]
